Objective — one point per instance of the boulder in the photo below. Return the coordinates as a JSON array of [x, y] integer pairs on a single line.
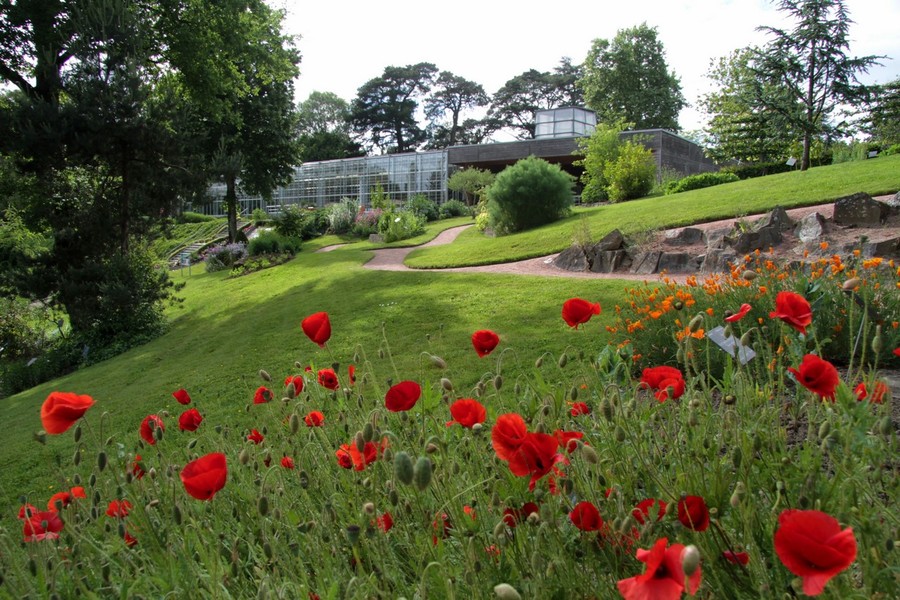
[[375, 238], [572, 259], [676, 262], [776, 218], [687, 236], [888, 247], [614, 240], [810, 228], [645, 263], [715, 238], [860, 210], [717, 260], [759, 239], [607, 261]]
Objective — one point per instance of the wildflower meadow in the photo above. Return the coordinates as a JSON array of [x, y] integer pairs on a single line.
[[726, 438]]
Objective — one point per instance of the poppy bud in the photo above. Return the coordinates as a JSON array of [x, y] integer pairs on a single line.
[[563, 360], [679, 354], [369, 508], [749, 275], [446, 384], [381, 353], [431, 448], [620, 434], [262, 505], [438, 362], [589, 454], [368, 432], [850, 284], [736, 456], [728, 332], [360, 441], [729, 399], [877, 342], [176, 514], [498, 382], [690, 560], [265, 375], [693, 420], [101, 461], [422, 473], [738, 495], [504, 591], [824, 428], [607, 410], [393, 498], [678, 305], [745, 339], [304, 479], [476, 428], [539, 362], [403, 467], [158, 433], [885, 427], [695, 323]]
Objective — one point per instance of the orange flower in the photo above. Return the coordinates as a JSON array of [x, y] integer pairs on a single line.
[[710, 311], [655, 314], [824, 245]]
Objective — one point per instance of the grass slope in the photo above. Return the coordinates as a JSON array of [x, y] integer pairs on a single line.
[[746, 197]]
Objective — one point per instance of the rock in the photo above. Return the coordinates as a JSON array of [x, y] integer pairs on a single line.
[[776, 218], [860, 210], [715, 238], [608, 261], [614, 240], [687, 236], [572, 259], [887, 247], [375, 238], [759, 239], [716, 260], [676, 262], [645, 263], [810, 228], [893, 202]]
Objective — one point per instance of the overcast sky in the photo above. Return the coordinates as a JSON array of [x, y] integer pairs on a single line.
[[344, 44]]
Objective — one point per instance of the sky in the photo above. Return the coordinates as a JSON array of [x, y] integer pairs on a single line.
[[345, 44]]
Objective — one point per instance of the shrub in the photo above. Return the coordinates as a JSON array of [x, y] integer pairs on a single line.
[[528, 194], [342, 215], [420, 205], [219, 258], [289, 222], [842, 152], [259, 216], [757, 169], [891, 150], [482, 221], [271, 242], [400, 225], [366, 222], [701, 180], [632, 174], [23, 328], [194, 217], [454, 208]]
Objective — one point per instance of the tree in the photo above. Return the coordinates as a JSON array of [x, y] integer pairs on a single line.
[[883, 120], [810, 64], [471, 182], [515, 105], [385, 107], [451, 95], [323, 127], [628, 78], [528, 194], [739, 127]]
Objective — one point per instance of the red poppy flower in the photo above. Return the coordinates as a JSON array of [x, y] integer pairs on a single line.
[[817, 375], [580, 408], [190, 420], [314, 419], [507, 435], [317, 328], [737, 558], [349, 456], [692, 513], [467, 412], [351, 374], [793, 309], [384, 522], [812, 545], [663, 578], [877, 397], [535, 457], [586, 517], [513, 517], [147, 429], [576, 311], [203, 477], [26, 511], [484, 341], [61, 409], [470, 511], [44, 525], [667, 382], [896, 351], [740, 314], [256, 437], [287, 462], [182, 396], [441, 528], [118, 508], [642, 512], [327, 378], [567, 439], [297, 381], [262, 395], [63, 498], [130, 540], [402, 396], [136, 469]]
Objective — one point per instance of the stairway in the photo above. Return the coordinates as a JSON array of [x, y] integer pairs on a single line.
[[190, 249]]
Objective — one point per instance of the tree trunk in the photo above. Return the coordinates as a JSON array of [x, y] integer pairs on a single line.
[[231, 206], [804, 160]]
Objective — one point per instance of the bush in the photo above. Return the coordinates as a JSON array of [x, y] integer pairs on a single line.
[[23, 328], [219, 258], [271, 242], [421, 206], [366, 223], [701, 180], [342, 216], [56, 361], [193, 217], [482, 221], [891, 150], [294, 222], [259, 216], [757, 169], [454, 208], [528, 194], [400, 225], [632, 174]]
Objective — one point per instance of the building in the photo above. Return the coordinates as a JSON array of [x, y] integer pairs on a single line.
[[403, 176]]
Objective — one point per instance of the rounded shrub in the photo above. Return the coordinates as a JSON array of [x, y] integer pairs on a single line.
[[529, 194], [632, 174], [271, 242], [421, 206], [454, 208], [701, 180], [342, 215]]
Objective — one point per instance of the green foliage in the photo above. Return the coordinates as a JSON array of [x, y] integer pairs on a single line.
[[471, 182], [700, 180], [891, 150], [757, 169], [271, 242], [844, 152], [342, 215], [528, 194], [421, 206], [883, 120], [628, 79], [482, 221], [259, 216], [223, 257], [195, 217], [632, 174], [454, 208], [24, 328], [450, 96], [295, 222], [400, 225], [55, 361]]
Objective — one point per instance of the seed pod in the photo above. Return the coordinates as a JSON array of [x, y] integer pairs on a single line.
[[368, 432], [438, 362], [607, 410], [736, 456], [695, 323], [176, 514], [563, 360], [877, 341], [262, 505], [101, 461], [360, 441], [824, 428], [590, 455], [539, 362], [749, 275], [690, 560], [504, 591], [620, 434], [729, 399], [740, 492], [403, 468], [498, 382], [422, 473], [850, 284], [265, 375], [446, 384]]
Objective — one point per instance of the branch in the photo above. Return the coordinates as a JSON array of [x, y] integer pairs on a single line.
[[16, 79]]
